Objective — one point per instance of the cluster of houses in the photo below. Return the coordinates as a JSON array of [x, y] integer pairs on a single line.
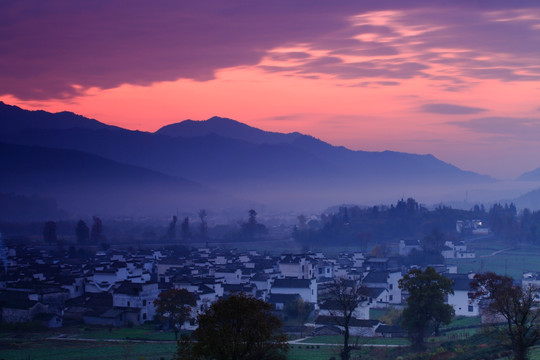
[[451, 249], [118, 288]]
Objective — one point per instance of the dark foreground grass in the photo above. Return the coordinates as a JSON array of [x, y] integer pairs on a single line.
[[83, 350]]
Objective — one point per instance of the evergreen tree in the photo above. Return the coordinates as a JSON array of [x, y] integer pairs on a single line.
[[49, 232], [82, 232]]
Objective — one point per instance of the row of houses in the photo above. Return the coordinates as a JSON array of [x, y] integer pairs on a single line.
[[450, 250], [119, 287]]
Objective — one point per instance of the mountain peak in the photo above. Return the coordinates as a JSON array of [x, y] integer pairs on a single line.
[[16, 119], [227, 128]]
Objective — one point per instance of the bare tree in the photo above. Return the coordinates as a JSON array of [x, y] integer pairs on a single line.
[[204, 225], [517, 307], [345, 296]]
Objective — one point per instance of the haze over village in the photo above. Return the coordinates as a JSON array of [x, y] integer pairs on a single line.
[[351, 180]]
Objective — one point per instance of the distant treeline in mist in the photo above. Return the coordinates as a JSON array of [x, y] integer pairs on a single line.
[[353, 225]]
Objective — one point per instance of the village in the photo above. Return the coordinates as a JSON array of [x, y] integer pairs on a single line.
[[117, 288]]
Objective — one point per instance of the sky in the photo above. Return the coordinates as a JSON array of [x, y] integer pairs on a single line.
[[456, 79]]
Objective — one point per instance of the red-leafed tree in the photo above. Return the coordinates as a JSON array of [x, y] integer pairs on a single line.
[[515, 306]]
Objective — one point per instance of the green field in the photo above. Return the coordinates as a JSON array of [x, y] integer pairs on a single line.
[[137, 333], [500, 257], [83, 350]]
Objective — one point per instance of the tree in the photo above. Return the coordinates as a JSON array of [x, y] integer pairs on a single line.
[[186, 231], [174, 306], [82, 232], [345, 296], [302, 222], [239, 327], [171, 231], [204, 225], [96, 234], [501, 298], [49, 232], [252, 227], [298, 309], [426, 303]]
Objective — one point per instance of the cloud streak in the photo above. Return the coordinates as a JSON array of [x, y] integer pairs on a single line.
[[450, 109], [507, 127], [59, 49]]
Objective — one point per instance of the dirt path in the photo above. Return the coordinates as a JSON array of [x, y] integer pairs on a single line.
[[496, 252], [296, 342]]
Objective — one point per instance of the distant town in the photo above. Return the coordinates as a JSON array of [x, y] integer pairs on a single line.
[[118, 287]]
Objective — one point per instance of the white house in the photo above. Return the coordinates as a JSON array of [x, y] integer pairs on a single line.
[[408, 245], [297, 266], [137, 296], [332, 308], [357, 327], [388, 280], [229, 276], [461, 301], [306, 288]]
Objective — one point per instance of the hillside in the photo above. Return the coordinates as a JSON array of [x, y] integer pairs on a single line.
[[89, 184], [282, 170]]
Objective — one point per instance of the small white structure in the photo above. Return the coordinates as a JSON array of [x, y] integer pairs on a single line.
[[461, 301], [306, 288], [137, 296], [408, 245]]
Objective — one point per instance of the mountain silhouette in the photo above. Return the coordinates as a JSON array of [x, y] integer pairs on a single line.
[[533, 175], [284, 170], [88, 184], [227, 128]]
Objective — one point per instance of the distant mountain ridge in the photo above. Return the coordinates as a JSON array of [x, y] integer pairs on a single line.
[[39, 119], [285, 170], [533, 175], [89, 181], [227, 128]]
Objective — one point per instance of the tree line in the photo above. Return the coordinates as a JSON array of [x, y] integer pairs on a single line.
[[368, 226]]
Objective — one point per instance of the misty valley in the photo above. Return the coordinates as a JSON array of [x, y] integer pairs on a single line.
[[132, 244]]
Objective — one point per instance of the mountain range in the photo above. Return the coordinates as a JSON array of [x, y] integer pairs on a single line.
[[211, 163]]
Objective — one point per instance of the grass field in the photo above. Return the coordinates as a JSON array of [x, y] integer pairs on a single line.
[[136, 333], [499, 257], [84, 350]]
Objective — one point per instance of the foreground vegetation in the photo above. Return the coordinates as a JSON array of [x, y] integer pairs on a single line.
[[144, 342]]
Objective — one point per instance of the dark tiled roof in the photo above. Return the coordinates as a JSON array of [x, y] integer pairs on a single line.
[[282, 298], [334, 320], [16, 300], [461, 282], [375, 292], [291, 283], [129, 288], [376, 277]]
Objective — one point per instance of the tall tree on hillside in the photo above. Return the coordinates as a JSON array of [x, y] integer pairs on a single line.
[[517, 307], [171, 231], [302, 222], [203, 227], [426, 303], [252, 228], [346, 296], [82, 232], [96, 233], [49, 232], [186, 231]]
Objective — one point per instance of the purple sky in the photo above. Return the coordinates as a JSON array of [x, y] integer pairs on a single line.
[[458, 79]]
